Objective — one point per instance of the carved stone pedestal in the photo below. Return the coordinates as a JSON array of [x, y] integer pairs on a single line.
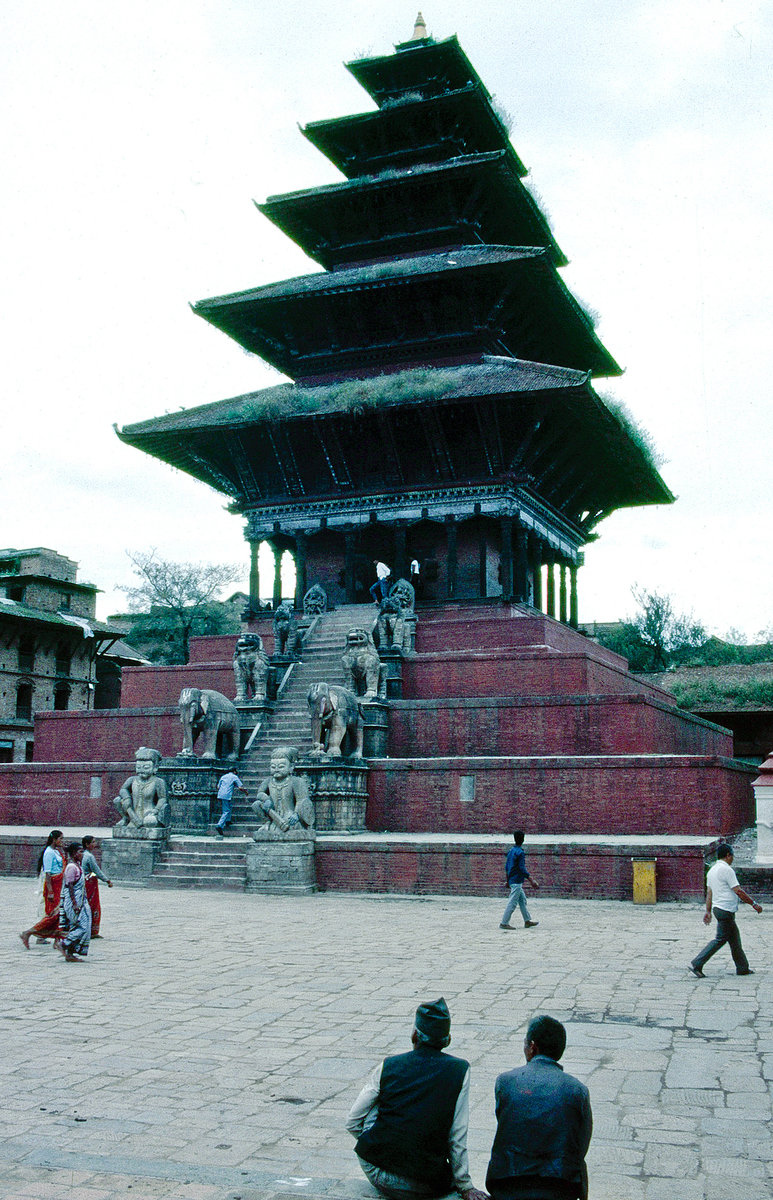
[[130, 855], [375, 719], [339, 790], [191, 785], [252, 713], [392, 663], [282, 864]]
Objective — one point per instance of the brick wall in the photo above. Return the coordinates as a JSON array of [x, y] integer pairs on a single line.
[[548, 725], [106, 735], [589, 871], [511, 671], [661, 794], [58, 794], [161, 686]]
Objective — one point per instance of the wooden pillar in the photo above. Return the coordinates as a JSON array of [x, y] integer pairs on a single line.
[[535, 546], [573, 605], [277, 598], [520, 565], [400, 562], [450, 555], [562, 594], [301, 552], [506, 557], [350, 545], [254, 577], [482, 561], [551, 597]]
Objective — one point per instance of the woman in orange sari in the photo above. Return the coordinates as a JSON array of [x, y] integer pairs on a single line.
[[51, 863]]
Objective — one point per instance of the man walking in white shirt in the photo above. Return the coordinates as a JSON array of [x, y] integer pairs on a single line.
[[723, 893]]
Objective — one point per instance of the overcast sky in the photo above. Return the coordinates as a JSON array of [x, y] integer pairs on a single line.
[[136, 136]]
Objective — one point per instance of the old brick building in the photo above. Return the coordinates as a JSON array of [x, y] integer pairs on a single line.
[[50, 643]]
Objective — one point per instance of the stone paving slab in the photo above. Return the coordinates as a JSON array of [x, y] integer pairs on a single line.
[[211, 1045]]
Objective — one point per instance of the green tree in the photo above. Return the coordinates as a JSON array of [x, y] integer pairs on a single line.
[[176, 601], [657, 635]]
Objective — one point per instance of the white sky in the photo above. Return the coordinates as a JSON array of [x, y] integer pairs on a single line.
[[136, 136]]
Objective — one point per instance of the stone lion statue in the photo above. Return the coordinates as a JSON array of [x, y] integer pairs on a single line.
[[251, 668], [361, 664], [405, 595], [285, 631]]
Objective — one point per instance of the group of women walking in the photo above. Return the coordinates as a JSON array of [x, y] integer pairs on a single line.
[[70, 876]]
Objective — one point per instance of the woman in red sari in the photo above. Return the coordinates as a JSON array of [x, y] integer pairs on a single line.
[[93, 873], [51, 863]]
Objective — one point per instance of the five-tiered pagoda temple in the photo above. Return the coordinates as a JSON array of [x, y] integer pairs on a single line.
[[441, 404]]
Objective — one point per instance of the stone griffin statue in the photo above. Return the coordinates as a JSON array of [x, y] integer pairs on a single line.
[[336, 721], [283, 798], [141, 802], [315, 601], [361, 664], [285, 631], [251, 668]]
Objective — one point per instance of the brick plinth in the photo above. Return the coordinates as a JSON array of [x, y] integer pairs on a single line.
[[161, 686], [642, 794], [520, 671], [536, 725], [60, 793], [590, 870], [105, 734]]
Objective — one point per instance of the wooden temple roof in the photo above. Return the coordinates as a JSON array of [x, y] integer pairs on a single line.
[[473, 300], [426, 67], [494, 420], [475, 199], [415, 131]]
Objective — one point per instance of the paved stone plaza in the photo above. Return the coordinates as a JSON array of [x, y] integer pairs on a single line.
[[211, 1045]]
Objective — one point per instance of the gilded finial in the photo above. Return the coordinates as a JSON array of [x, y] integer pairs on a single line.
[[419, 29]]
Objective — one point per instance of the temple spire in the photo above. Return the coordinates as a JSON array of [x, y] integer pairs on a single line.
[[419, 29]]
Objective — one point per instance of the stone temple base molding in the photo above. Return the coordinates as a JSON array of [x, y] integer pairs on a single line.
[[191, 785], [339, 790], [282, 864]]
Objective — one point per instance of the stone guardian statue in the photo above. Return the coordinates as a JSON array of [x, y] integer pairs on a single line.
[[283, 798], [142, 801]]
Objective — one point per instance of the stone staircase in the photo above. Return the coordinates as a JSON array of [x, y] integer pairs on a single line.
[[211, 862], [196, 862]]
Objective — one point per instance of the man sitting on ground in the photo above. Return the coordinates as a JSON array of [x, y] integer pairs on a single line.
[[544, 1124], [410, 1119]]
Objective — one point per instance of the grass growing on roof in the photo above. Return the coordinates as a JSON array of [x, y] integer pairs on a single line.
[[353, 396]]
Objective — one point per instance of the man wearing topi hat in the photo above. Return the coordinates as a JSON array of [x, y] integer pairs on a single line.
[[410, 1119]]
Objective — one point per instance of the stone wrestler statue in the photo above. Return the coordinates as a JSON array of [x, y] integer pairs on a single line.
[[283, 798], [142, 800]]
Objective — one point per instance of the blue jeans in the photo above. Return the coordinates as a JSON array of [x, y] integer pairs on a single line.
[[396, 1187], [226, 816], [517, 896]]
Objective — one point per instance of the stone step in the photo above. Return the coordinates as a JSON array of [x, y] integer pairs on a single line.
[[200, 880]]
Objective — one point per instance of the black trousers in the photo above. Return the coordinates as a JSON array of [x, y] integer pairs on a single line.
[[727, 931]]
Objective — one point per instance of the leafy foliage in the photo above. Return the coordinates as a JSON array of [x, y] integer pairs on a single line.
[[176, 601], [657, 635]]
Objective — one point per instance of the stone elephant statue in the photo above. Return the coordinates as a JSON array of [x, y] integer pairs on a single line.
[[336, 721], [212, 716]]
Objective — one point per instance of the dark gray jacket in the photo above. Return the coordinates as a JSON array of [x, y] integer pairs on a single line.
[[544, 1125]]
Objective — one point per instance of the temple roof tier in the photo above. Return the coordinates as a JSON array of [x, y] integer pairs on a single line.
[[499, 420], [476, 199], [415, 131], [425, 67], [470, 301]]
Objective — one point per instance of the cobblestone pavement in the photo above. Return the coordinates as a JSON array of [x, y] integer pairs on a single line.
[[211, 1045]]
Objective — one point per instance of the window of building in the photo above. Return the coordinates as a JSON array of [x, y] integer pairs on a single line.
[[26, 652], [15, 592], [24, 702], [65, 600], [63, 658], [61, 697], [29, 751], [6, 751]]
